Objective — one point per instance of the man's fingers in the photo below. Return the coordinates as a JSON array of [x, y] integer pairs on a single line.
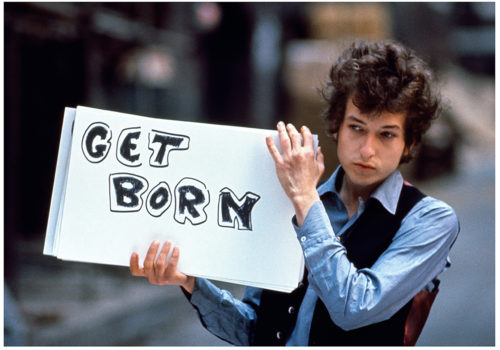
[[320, 160], [319, 155], [149, 267], [307, 136], [273, 150], [172, 263], [294, 136], [151, 255], [286, 145], [161, 262], [158, 271], [135, 270]]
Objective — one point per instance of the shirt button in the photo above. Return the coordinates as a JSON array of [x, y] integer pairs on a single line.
[[279, 335], [291, 310], [303, 238]]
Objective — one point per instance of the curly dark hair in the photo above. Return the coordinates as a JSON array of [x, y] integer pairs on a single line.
[[383, 76]]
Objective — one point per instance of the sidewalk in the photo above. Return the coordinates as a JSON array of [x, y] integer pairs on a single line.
[[67, 303], [463, 313]]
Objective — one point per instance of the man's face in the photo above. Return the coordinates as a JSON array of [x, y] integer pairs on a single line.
[[370, 147]]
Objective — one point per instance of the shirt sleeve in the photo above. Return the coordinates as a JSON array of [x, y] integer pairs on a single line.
[[359, 297], [223, 315]]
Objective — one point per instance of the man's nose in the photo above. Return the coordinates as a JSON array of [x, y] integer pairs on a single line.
[[367, 149]]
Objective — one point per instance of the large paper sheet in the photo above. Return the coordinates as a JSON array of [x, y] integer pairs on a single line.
[[123, 181]]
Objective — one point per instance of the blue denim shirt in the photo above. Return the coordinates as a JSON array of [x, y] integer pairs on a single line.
[[354, 297]]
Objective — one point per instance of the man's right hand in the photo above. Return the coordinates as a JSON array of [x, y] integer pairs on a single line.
[[297, 167], [160, 271]]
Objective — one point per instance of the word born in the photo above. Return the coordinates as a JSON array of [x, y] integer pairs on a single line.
[[191, 199]]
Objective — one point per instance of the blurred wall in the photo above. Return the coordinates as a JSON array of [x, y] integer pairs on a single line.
[[247, 64]]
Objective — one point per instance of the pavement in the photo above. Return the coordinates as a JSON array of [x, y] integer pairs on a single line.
[[463, 313], [76, 304]]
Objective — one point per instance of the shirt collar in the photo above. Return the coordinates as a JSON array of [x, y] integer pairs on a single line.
[[387, 193]]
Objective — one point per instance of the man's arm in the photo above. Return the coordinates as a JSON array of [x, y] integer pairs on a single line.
[[225, 316], [359, 297]]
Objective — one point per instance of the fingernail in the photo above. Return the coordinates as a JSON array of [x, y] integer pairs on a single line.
[[281, 124]]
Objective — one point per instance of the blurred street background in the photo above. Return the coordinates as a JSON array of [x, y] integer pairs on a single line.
[[245, 64]]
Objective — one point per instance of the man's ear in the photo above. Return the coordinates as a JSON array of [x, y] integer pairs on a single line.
[[407, 153], [408, 149], [335, 136]]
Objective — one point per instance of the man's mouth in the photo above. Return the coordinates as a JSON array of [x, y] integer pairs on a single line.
[[364, 166]]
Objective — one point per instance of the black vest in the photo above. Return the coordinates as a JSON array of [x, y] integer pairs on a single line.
[[364, 241]]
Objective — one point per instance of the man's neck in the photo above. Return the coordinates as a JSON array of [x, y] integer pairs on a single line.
[[350, 194]]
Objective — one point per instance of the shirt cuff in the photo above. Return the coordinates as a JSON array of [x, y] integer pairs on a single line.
[[206, 296], [316, 227]]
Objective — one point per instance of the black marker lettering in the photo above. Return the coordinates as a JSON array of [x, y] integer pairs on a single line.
[[191, 198], [159, 199], [96, 142], [127, 143], [125, 191], [232, 209], [162, 143]]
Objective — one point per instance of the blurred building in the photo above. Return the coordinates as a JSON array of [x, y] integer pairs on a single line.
[[115, 56]]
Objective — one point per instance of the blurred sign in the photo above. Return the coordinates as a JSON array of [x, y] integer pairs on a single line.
[[123, 181]]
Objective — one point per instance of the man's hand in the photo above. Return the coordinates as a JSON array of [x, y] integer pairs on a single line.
[[297, 168], [159, 271]]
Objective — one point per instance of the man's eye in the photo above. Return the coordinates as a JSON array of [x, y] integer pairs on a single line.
[[388, 135], [355, 127]]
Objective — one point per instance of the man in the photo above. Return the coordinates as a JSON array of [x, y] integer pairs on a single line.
[[371, 241]]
